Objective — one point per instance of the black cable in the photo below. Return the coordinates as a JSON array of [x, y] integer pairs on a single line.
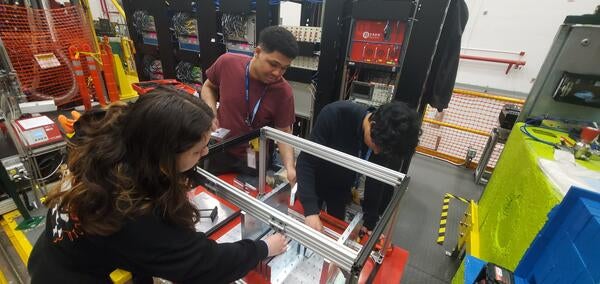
[[188, 73], [391, 78], [142, 21], [152, 68], [234, 26], [185, 25]]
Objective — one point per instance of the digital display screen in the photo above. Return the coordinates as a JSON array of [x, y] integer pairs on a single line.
[[362, 90], [578, 89], [38, 134]]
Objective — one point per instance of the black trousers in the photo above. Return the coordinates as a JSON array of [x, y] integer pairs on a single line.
[[336, 203]]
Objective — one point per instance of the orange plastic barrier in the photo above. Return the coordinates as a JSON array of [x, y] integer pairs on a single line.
[[37, 42]]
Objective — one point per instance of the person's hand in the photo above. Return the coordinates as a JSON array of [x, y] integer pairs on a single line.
[[277, 244], [364, 231], [314, 222], [215, 124], [291, 176]]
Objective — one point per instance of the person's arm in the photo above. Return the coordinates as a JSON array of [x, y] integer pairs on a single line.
[[307, 166], [283, 120], [307, 194], [287, 155], [210, 94], [210, 87], [150, 246]]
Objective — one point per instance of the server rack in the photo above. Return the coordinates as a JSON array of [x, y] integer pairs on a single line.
[[174, 40]]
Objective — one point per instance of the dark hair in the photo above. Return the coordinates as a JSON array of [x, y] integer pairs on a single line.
[[275, 38], [395, 128], [124, 164]]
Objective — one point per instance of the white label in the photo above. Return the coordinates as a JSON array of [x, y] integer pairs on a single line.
[[564, 156], [251, 155], [46, 60], [35, 122], [220, 133]]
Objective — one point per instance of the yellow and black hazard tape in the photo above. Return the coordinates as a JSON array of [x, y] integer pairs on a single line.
[[444, 216]]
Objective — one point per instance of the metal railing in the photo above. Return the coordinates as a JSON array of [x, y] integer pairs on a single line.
[[466, 123]]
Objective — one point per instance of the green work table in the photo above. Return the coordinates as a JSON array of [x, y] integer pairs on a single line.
[[517, 199]]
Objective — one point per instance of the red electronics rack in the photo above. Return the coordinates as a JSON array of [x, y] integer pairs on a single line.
[[377, 42]]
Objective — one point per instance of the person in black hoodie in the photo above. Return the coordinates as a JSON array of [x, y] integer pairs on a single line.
[[123, 201], [382, 136]]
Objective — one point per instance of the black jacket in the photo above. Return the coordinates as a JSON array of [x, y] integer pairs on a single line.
[[146, 246], [440, 83], [339, 126]]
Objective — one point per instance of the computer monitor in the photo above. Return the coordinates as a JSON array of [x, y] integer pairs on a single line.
[[578, 89]]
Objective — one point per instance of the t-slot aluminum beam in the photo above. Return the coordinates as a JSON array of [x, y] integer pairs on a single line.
[[354, 163], [342, 256], [350, 229]]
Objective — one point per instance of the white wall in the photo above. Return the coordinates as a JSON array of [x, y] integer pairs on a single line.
[[513, 25]]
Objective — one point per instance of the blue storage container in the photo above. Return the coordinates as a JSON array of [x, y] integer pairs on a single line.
[[566, 250]]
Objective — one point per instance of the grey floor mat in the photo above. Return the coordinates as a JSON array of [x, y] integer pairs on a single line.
[[418, 222]]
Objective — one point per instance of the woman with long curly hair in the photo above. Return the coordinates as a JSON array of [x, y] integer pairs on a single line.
[[123, 201]]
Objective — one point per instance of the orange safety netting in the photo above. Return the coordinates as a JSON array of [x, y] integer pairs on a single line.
[[476, 113], [28, 32]]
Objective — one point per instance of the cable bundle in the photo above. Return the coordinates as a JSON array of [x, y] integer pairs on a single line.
[[188, 73], [234, 26], [153, 68], [142, 21], [184, 24]]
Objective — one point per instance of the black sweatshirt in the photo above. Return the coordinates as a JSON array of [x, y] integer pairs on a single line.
[[339, 126], [146, 246]]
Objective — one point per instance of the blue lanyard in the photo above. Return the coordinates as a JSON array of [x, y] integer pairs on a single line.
[[366, 158], [361, 143], [250, 118], [367, 155]]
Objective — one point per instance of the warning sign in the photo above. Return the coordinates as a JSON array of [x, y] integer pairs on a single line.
[[46, 60]]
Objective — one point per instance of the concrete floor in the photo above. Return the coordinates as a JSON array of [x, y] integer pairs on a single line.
[[417, 227]]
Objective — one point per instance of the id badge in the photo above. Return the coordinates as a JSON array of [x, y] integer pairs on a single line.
[[251, 158]]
